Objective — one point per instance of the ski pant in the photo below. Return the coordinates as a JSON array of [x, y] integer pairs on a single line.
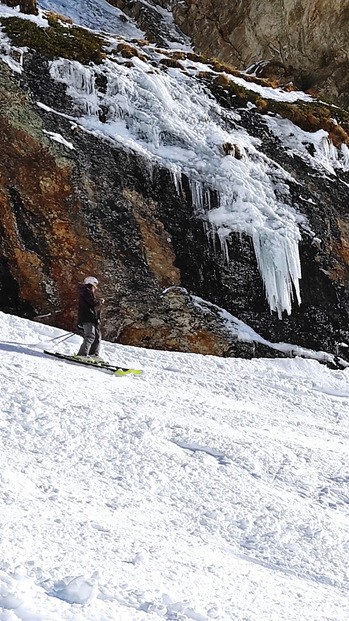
[[92, 340]]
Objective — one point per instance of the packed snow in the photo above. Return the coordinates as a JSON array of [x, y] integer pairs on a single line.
[[58, 138], [243, 332], [267, 92], [314, 147], [206, 488]]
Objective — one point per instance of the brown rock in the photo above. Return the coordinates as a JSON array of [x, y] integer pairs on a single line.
[[156, 242], [304, 42]]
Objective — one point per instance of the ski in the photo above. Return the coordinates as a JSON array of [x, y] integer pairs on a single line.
[[116, 370]]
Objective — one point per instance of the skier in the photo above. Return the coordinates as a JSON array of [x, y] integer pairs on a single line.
[[89, 317]]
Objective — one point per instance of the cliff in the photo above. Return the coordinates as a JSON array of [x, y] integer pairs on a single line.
[[103, 173]]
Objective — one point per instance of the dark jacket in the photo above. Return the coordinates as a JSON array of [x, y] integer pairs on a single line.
[[88, 306]]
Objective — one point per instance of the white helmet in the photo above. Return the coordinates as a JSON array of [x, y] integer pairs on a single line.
[[91, 280]]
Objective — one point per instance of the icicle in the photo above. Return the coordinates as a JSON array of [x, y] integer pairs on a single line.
[[344, 156], [279, 264], [327, 150], [207, 200], [176, 175], [197, 196], [223, 234], [150, 165], [80, 81], [211, 234]]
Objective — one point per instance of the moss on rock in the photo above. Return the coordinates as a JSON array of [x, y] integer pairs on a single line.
[[171, 62], [128, 51], [56, 40], [309, 116]]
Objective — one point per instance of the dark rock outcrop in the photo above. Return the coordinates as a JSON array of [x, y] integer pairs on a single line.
[[157, 28]]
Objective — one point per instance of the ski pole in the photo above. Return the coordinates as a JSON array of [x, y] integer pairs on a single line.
[[57, 340], [47, 314], [66, 338], [62, 336]]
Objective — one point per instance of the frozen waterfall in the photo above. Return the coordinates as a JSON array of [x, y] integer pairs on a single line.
[[169, 117]]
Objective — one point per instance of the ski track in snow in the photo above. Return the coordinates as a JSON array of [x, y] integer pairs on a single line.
[[206, 488]]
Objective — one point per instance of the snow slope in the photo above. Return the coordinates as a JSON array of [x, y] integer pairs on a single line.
[[204, 489], [100, 15]]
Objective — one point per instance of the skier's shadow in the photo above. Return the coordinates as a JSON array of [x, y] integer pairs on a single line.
[[19, 348]]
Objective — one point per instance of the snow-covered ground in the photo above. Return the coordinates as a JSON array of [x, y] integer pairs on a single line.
[[94, 14], [205, 488]]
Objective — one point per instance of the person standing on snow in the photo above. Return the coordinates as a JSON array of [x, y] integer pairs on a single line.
[[89, 317]]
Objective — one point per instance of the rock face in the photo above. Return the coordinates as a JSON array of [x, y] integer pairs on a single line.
[[306, 42], [87, 206], [303, 42]]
